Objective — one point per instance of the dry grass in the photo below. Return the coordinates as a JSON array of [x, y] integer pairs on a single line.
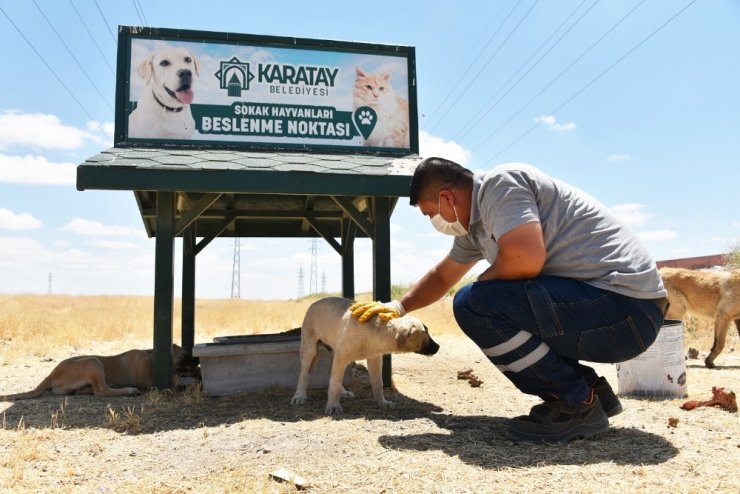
[[444, 436]]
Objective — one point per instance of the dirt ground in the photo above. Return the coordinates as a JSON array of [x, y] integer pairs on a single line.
[[444, 436]]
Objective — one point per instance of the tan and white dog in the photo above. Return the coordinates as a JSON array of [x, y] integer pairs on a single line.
[[163, 108], [713, 295], [329, 322], [116, 375]]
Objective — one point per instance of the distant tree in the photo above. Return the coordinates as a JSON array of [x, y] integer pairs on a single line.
[[733, 257]]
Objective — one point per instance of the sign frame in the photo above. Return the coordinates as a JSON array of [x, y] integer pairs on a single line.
[[127, 35]]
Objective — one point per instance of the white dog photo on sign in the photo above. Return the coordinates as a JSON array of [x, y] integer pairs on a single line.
[[163, 108]]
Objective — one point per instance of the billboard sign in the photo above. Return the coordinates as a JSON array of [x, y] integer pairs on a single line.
[[223, 90]]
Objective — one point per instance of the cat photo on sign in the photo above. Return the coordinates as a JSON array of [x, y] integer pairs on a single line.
[[375, 90]]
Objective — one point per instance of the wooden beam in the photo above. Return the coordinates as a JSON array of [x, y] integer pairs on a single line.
[[256, 213], [356, 215], [193, 213], [213, 234], [325, 235]]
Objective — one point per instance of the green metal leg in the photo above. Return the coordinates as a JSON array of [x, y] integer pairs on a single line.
[[188, 288], [164, 265], [348, 259], [382, 264]]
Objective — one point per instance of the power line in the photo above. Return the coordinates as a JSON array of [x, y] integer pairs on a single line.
[[638, 45], [484, 109], [92, 38], [472, 64], [47, 65], [137, 6], [526, 14], [105, 21], [555, 79], [73, 56]]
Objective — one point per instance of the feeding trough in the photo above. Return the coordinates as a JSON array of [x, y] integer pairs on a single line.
[[234, 364]]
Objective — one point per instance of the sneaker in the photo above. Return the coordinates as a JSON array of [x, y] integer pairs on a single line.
[[555, 422], [609, 401]]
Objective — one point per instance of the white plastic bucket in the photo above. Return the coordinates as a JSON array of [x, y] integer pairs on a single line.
[[660, 371]]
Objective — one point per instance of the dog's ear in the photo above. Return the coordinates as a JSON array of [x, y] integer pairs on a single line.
[[145, 68], [401, 337], [196, 63]]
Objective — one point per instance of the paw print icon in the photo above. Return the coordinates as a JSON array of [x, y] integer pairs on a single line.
[[366, 118]]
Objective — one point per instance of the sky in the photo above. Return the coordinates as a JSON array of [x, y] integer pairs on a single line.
[[635, 102]]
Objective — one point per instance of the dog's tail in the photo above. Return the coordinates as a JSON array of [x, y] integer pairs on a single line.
[[40, 389]]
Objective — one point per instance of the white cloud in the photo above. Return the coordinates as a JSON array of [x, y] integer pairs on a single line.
[[21, 221], [113, 244], [26, 263], [736, 224], [39, 130], [682, 251], [91, 227], [36, 170], [619, 157], [658, 235], [102, 131], [552, 123], [430, 145], [631, 213]]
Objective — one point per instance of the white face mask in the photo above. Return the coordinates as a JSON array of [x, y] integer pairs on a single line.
[[443, 226]]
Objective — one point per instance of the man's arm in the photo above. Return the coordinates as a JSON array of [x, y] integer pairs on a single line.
[[435, 284], [521, 254]]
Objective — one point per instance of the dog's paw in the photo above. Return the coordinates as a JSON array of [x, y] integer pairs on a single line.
[[386, 404], [347, 394], [333, 409], [298, 400]]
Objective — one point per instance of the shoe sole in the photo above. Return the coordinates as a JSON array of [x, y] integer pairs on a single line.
[[615, 410], [580, 431]]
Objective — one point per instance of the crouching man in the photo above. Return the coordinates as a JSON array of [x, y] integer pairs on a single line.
[[566, 283]]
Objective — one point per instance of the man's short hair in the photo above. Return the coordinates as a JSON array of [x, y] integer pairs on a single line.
[[437, 173]]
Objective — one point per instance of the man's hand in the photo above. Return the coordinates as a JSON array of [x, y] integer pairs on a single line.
[[385, 311]]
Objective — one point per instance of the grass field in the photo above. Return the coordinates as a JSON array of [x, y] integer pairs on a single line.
[[444, 435]]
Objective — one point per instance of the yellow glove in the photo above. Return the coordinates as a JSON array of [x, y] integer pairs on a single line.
[[385, 311]]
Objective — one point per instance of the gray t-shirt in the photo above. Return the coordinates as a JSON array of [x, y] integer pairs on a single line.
[[584, 240]]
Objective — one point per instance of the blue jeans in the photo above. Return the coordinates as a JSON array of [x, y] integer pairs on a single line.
[[536, 331]]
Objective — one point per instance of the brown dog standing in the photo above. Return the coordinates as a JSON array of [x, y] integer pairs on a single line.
[[330, 322], [712, 295]]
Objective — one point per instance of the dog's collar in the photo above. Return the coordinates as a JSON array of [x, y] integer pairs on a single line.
[[168, 108]]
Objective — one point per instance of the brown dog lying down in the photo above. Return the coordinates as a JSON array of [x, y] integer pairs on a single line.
[[116, 375], [713, 295]]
